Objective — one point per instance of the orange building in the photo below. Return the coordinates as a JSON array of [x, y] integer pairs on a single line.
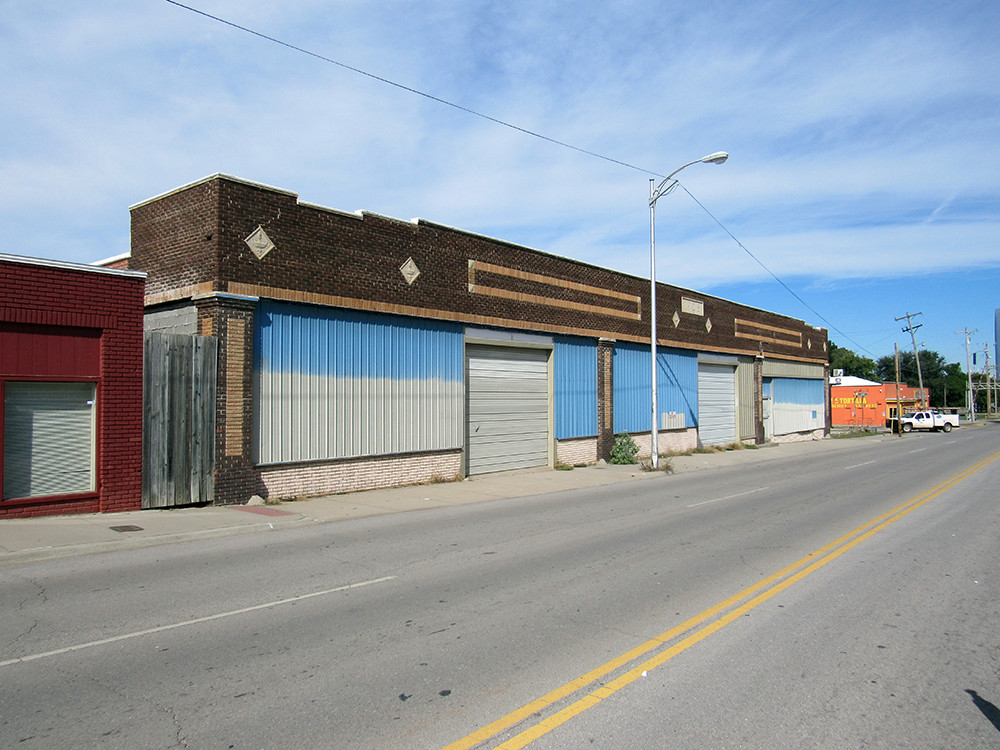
[[856, 402]]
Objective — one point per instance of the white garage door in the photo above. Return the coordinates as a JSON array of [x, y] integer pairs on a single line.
[[508, 408], [716, 404]]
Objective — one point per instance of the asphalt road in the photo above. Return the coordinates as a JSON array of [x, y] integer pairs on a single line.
[[847, 599]]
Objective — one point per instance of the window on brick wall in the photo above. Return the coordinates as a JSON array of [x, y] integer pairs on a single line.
[[49, 444]]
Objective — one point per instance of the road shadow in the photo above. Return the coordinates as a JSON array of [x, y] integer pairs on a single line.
[[988, 710]]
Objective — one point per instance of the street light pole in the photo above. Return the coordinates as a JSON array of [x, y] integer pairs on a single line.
[[655, 193]]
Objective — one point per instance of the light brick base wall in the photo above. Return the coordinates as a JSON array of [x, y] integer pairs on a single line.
[[572, 452], [670, 441], [799, 437], [352, 475]]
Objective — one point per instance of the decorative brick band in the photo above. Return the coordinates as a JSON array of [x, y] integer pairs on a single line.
[[746, 329], [38, 316], [491, 268]]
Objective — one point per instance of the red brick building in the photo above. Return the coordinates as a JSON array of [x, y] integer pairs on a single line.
[[71, 387]]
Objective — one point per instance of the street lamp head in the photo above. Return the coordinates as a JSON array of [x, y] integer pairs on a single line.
[[717, 158]]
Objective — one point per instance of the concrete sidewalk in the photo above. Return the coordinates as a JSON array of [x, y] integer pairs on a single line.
[[29, 539]]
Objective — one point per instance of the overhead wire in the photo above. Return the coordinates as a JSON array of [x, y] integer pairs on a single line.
[[504, 123], [770, 272], [412, 90]]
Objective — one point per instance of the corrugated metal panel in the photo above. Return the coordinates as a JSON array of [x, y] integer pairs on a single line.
[[575, 387], [49, 439], [508, 408], [342, 383], [798, 405], [716, 404], [676, 386], [767, 408], [746, 422], [776, 368], [631, 381]]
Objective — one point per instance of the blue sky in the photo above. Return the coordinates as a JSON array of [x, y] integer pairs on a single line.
[[863, 136]]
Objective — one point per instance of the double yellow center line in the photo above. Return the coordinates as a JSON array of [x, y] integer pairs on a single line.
[[693, 631]]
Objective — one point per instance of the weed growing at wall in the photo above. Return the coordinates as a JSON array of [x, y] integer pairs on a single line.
[[624, 451]]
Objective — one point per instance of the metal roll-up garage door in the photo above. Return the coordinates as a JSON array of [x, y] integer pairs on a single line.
[[508, 408], [716, 404]]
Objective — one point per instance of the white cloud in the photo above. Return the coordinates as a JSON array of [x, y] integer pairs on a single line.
[[862, 135]]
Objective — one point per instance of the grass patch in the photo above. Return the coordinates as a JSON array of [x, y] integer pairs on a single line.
[[854, 434], [662, 464], [440, 479], [283, 500]]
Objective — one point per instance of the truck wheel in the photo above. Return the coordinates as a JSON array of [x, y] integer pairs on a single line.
[[907, 426], [946, 427]]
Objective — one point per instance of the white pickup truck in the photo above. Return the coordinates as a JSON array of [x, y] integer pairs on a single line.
[[928, 420]]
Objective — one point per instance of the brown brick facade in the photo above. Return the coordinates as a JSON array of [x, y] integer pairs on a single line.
[[193, 241], [230, 318], [224, 243]]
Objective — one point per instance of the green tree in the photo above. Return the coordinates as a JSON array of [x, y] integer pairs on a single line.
[[844, 359], [938, 376], [956, 385]]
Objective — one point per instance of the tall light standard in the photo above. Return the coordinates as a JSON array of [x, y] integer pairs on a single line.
[[668, 184]]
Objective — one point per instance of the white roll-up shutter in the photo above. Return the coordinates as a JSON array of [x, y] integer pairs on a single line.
[[48, 442], [716, 404], [508, 408]]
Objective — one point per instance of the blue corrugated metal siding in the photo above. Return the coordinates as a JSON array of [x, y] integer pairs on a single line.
[[676, 386], [575, 376], [798, 391], [798, 405], [341, 383]]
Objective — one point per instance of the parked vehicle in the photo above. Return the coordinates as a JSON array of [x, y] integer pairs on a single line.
[[929, 420]]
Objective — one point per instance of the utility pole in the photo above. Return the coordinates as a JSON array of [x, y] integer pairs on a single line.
[[989, 384], [971, 401], [898, 424], [912, 329]]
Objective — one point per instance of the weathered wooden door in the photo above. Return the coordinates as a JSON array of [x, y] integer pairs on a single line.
[[178, 443]]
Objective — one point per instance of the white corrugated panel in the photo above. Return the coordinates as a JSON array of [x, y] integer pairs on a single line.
[[716, 404], [777, 368], [48, 439], [745, 379], [798, 405], [508, 408]]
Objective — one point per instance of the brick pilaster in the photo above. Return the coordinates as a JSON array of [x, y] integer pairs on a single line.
[[605, 398], [230, 318], [758, 400]]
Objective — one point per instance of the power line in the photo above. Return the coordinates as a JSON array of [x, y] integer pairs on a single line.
[[412, 90], [519, 129], [760, 263]]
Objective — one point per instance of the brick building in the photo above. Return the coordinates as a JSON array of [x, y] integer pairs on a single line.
[[357, 350], [71, 387], [859, 403]]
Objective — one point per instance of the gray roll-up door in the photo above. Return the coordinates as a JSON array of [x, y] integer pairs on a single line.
[[716, 404], [49, 443], [508, 408]]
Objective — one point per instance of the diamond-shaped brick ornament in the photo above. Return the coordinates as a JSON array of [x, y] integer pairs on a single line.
[[708, 325], [410, 271], [259, 243], [676, 319]]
